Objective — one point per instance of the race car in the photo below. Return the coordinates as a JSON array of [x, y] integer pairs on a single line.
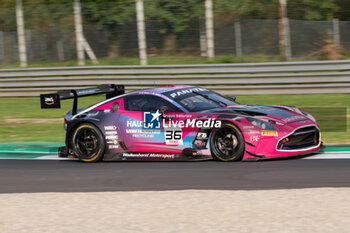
[[180, 123]]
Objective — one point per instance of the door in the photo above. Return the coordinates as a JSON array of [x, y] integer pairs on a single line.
[[143, 125]]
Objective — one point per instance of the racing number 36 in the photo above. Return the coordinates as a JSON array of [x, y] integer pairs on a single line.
[[173, 135]]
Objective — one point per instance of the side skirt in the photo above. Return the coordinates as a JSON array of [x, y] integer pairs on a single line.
[[142, 156]]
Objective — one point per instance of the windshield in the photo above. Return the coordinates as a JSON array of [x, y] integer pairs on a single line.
[[198, 99]]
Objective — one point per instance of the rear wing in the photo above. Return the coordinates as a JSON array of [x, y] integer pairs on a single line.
[[53, 100]]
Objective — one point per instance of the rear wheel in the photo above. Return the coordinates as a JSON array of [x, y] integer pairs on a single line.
[[227, 143], [88, 143]]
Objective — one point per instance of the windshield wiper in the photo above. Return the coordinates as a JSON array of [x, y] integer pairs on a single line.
[[222, 104]]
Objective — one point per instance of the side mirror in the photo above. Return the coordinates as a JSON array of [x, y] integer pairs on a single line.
[[232, 97], [115, 107]]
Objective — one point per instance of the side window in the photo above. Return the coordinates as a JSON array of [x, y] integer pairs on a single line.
[[147, 103]]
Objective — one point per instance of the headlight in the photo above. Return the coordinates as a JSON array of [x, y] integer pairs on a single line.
[[261, 124]]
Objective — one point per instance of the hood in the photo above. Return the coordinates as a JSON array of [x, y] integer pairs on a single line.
[[283, 115]]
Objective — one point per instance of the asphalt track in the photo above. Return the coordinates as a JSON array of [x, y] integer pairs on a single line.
[[19, 175]]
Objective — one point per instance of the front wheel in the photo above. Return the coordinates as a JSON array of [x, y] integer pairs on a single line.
[[227, 143], [88, 143]]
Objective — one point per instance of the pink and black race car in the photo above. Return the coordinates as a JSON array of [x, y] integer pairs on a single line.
[[181, 123]]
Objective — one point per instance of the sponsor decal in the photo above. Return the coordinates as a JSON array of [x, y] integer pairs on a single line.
[[202, 135], [253, 131], [134, 123], [113, 147], [151, 120], [293, 118], [183, 116], [49, 100], [173, 136], [185, 92], [112, 142], [209, 123], [148, 155], [248, 127], [111, 137], [143, 135], [111, 132], [142, 131], [254, 138], [269, 133], [151, 125], [200, 143], [133, 131], [110, 127]]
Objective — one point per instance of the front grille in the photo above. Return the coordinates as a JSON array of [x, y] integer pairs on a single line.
[[301, 139]]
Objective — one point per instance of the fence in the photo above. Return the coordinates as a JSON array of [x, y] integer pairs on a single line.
[[50, 32], [239, 79]]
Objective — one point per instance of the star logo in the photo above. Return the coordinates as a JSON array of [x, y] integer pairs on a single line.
[[151, 120], [155, 115]]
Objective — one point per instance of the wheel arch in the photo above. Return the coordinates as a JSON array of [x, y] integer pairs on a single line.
[[235, 125], [230, 122], [75, 126]]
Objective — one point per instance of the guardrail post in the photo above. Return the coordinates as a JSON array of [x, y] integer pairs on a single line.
[[60, 50], [203, 42], [28, 34], [238, 38], [79, 33], [20, 34], [336, 32], [282, 28], [288, 41], [141, 33], [209, 24]]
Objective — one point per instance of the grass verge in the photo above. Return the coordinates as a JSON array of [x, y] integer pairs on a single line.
[[159, 60]]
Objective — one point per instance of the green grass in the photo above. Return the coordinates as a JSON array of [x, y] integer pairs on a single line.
[[29, 107], [22, 120], [159, 60]]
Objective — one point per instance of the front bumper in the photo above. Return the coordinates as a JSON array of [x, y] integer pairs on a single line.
[[289, 140], [254, 157]]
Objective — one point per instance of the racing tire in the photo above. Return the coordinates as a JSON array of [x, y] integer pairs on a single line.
[[227, 143], [88, 143]]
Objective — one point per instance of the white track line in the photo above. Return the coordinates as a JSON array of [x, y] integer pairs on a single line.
[[330, 155], [46, 157], [52, 157]]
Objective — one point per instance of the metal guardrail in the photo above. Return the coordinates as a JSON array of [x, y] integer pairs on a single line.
[[240, 79]]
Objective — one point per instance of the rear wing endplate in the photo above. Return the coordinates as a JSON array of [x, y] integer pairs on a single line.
[[53, 100]]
